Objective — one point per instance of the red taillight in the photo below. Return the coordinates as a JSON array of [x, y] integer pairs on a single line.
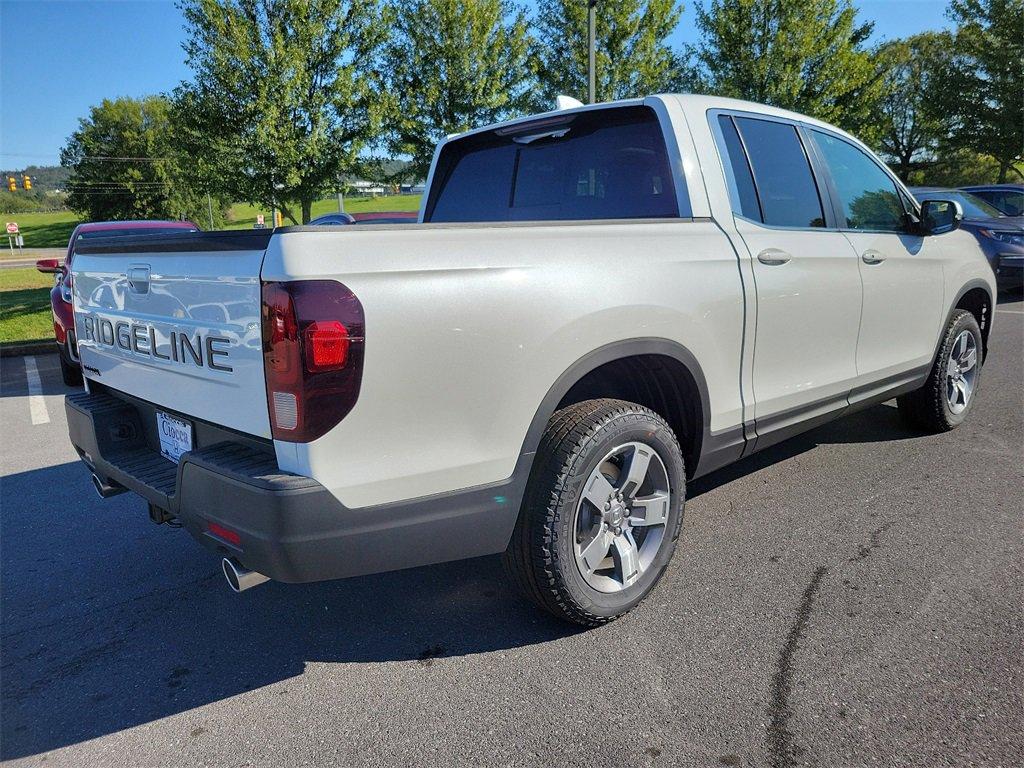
[[313, 356], [225, 533], [326, 346]]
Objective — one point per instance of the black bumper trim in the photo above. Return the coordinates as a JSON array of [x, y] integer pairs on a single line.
[[291, 528]]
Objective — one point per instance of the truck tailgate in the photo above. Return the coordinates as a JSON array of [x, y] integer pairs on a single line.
[[175, 320]]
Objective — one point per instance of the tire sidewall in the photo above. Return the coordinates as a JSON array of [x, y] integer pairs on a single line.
[[620, 430]]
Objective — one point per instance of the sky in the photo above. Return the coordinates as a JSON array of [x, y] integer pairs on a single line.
[[59, 57]]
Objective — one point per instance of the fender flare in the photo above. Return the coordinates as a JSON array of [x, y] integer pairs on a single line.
[[617, 350], [970, 285]]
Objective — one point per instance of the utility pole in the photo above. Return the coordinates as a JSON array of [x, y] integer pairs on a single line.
[[209, 204], [591, 51]]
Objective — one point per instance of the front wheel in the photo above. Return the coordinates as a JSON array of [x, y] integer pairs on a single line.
[[949, 393], [602, 511]]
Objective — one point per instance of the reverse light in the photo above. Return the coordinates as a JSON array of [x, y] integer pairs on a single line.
[[313, 356]]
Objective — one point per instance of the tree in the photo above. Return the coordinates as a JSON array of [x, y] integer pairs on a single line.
[[804, 55], [909, 123], [632, 56], [285, 98], [124, 165], [453, 65], [983, 88]]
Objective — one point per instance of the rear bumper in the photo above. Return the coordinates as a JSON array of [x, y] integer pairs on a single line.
[[290, 528]]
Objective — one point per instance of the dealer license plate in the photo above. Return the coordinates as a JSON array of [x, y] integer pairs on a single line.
[[175, 436]]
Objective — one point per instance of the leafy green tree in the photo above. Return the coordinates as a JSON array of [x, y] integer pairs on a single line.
[[452, 65], [804, 55], [285, 98], [910, 124], [125, 165], [632, 55], [983, 88]]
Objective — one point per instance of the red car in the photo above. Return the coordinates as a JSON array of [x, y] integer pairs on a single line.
[[60, 296]]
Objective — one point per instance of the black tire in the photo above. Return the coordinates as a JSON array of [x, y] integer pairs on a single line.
[[927, 407], [540, 557], [71, 374]]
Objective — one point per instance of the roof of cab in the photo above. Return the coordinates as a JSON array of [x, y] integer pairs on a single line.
[[686, 100]]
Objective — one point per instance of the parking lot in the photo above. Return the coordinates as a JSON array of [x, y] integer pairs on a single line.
[[850, 597]]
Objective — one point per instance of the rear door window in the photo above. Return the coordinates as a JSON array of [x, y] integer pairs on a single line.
[[604, 164], [786, 190], [869, 196]]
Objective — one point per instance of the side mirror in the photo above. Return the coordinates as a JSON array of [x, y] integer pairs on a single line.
[[939, 216], [49, 266]]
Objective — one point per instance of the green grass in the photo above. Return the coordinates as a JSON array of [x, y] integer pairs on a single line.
[[243, 216], [25, 305], [52, 230], [43, 230]]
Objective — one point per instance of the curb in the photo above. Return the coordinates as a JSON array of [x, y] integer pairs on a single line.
[[21, 348]]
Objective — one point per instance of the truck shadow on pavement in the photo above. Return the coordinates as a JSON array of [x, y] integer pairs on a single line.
[[110, 622]]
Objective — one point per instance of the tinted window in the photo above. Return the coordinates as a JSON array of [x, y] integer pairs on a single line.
[[742, 177], [868, 195], [782, 174], [609, 164], [1009, 202]]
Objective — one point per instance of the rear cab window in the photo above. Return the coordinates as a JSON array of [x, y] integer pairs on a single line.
[[596, 164]]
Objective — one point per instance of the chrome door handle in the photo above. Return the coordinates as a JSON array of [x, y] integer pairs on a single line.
[[872, 257], [773, 257]]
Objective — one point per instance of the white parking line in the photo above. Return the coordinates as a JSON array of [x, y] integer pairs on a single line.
[[36, 403], [1010, 311]]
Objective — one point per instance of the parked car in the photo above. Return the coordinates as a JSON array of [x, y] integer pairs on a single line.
[[1008, 198], [601, 303], [332, 220], [60, 295], [1001, 237]]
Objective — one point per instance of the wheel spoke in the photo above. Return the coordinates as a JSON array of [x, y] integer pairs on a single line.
[[961, 387], [635, 473], [961, 345], [597, 550], [655, 509], [969, 360], [598, 489], [627, 558]]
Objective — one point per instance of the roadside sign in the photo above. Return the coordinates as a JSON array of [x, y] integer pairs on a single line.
[[260, 222], [12, 227]]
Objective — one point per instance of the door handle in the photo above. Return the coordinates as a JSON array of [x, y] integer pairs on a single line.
[[773, 257], [872, 257]]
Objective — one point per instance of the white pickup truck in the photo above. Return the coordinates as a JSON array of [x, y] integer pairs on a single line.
[[596, 305]]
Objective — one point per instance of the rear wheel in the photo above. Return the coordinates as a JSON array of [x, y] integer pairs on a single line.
[[949, 393], [602, 511], [71, 374]]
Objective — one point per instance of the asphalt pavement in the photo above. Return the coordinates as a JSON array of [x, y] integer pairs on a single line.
[[850, 597]]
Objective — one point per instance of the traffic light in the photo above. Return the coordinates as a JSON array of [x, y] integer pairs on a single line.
[[26, 182], [12, 183]]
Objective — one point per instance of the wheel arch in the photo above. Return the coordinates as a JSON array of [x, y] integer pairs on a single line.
[[975, 297], [664, 376]]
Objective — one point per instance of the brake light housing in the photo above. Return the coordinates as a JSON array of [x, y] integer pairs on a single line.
[[313, 345]]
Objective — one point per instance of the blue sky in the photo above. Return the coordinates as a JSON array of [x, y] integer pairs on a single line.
[[59, 57]]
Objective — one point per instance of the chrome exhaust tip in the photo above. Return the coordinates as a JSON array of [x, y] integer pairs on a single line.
[[106, 490], [239, 577]]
